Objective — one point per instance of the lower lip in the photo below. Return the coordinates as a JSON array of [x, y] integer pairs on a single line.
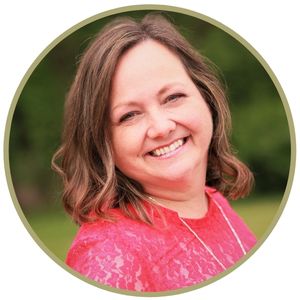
[[172, 153]]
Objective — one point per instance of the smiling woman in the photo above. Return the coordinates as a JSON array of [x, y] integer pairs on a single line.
[[146, 162], [163, 142]]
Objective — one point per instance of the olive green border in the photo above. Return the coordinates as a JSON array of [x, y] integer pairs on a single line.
[[122, 10]]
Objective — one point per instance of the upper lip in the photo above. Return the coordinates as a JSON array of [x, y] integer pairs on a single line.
[[167, 144]]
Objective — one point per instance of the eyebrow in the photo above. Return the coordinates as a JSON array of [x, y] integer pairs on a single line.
[[159, 93]]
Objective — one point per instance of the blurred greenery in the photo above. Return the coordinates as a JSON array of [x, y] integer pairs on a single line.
[[260, 127]]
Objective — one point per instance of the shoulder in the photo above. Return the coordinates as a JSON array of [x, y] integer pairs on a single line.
[[104, 251], [221, 202], [224, 208], [106, 234], [218, 198]]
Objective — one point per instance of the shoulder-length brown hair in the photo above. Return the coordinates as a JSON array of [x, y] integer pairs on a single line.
[[92, 183]]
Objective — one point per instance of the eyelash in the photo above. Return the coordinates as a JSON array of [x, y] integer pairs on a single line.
[[131, 114], [174, 97], [128, 116]]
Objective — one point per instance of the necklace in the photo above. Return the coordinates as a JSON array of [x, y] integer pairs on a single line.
[[207, 248]]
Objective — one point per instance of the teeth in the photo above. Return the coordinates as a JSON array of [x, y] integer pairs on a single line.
[[165, 150], [172, 147]]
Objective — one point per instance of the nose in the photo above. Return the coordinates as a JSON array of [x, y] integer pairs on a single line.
[[160, 125]]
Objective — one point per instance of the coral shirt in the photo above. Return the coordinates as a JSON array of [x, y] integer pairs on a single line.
[[132, 255]]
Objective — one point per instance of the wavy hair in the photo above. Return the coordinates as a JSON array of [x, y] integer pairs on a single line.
[[92, 183]]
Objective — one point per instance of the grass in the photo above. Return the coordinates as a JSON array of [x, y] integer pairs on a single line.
[[259, 214], [56, 231]]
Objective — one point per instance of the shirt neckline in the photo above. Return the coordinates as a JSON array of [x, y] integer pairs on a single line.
[[172, 216]]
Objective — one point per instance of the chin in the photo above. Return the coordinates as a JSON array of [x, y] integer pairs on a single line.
[[176, 177]]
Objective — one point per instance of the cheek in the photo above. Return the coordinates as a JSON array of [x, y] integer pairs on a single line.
[[206, 126], [199, 120], [126, 144], [202, 131]]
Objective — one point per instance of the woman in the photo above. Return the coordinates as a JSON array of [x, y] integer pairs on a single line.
[[146, 162]]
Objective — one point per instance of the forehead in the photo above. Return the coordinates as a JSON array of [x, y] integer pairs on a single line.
[[145, 68]]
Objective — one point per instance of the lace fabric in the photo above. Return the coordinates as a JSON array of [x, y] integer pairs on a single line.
[[134, 256]]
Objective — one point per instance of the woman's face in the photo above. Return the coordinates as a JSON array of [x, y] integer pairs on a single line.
[[161, 125]]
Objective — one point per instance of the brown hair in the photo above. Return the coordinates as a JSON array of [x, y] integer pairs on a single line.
[[92, 183]]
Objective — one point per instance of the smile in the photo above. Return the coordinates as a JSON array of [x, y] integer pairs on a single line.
[[167, 150]]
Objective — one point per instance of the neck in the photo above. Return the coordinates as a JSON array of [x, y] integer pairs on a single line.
[[186, 196], [188, 203]]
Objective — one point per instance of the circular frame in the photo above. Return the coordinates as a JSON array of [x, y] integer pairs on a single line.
[[111, 13]]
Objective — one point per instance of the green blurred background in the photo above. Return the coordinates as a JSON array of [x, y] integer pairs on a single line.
[[260, 128]]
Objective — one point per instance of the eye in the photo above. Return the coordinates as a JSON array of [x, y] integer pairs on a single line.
[[174, 97], [128, 116]]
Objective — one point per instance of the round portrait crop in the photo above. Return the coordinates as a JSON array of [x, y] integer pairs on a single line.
[[156, 125]]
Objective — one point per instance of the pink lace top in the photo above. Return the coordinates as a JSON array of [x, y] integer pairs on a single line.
[[131, 255]]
